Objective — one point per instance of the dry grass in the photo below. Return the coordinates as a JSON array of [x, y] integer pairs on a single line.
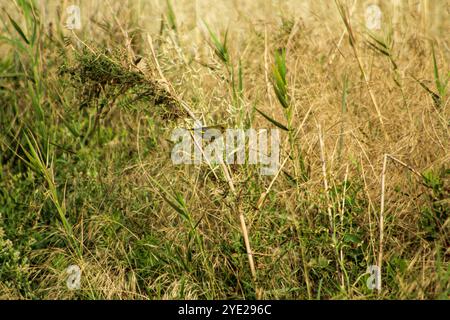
[[101, 103]]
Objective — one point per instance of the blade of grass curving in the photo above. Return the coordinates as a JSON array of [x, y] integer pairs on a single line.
[[436, 98], [18, 29], [273, 121], [220, 48]]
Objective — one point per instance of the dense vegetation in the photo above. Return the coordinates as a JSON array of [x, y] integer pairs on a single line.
[[86, 176]]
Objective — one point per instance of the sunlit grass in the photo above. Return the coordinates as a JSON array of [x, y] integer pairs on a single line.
[[86, 176]]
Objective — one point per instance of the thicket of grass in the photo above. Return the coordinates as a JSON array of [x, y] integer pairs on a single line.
[[86, 176]]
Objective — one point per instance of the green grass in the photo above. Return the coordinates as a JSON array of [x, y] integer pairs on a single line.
[[86, 177]]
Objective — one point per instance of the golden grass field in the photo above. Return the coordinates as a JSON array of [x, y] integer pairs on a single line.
[[86, 176]]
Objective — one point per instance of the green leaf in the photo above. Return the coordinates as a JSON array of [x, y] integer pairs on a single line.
[[220, 48], [376, 48], [439, 85], [241, 81], [280, 60], [380, 42], [279, 82], [18, 29], [436, 98], [282, 98], [171, 16], [352, 238], [276, 123], [174, 206]]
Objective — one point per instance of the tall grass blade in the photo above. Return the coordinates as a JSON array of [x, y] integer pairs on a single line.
[[273, 121], [18, 29]]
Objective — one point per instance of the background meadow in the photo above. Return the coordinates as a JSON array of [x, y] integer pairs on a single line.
[[86, 176]]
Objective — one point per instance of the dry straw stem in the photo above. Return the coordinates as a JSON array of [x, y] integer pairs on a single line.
[[381, 222], [341, 38], [169, 85], [382, 207], [342, 223], [343, 11], [266, 69]]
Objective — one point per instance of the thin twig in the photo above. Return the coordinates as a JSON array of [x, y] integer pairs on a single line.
[[266, 68], [381, 222]]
